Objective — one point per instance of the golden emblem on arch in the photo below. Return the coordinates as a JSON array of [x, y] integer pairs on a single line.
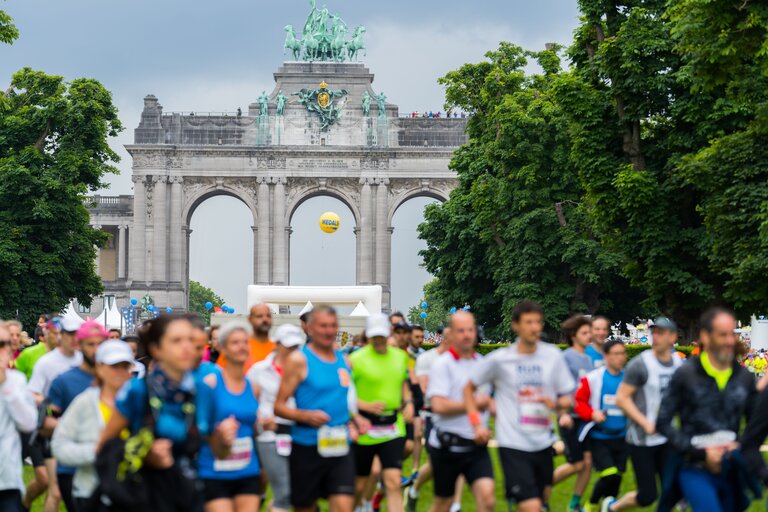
[[323, 99]]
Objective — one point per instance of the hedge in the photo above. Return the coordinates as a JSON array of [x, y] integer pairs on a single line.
[[632, 350]]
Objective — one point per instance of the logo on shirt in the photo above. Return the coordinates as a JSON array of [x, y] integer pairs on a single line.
[[344, 377]]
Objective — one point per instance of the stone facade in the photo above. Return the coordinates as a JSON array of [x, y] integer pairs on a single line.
[[272, 163]]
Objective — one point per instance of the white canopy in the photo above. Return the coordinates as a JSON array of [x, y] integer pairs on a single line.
[[111, 318], [70, 312]]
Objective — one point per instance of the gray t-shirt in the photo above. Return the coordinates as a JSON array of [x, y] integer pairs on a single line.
[[579, 363], [636, 374]]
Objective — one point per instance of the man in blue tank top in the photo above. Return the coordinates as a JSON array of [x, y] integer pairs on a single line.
[[318, 378]]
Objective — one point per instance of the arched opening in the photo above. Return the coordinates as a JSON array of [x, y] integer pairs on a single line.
[[408, 274], [221, 247], [318, 258]]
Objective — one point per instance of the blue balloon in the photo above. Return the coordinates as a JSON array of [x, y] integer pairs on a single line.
[[423, 314], [134, 302], [231, 310], [423, 305], [224, 307], [453, 310], [169, 310], [150, 308], [227, 310], [465, 308], [208, 305]]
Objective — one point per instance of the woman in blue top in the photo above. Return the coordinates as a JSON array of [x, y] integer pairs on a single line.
[[164, 402], [227, 406]]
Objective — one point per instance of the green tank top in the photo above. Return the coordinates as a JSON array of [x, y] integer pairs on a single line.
[[379, 378]]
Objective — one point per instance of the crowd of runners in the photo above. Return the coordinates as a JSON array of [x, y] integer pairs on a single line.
[[182, 417]]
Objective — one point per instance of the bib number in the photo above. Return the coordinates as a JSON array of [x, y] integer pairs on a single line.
[[534, 417], [239, 456], [383, 431], [283, 444], [333, 441], [611, 409]]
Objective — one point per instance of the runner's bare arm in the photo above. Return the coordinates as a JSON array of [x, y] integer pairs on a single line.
[[408, 410], [482, 434], [294, 372], [624, 401]]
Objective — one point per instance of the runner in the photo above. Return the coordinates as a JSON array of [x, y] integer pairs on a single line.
[[66, 387], [260, 346], [531, 380], [451, 443], [711, 395], [274, 441], [607, 424], [18, 414], [415, 349], [424, 365], [47, 368], [15, 328], [79, 429], [227, 407], [380, 375], [578, 333], [601, 329], [318, 377], [645, 380], [170, 384]]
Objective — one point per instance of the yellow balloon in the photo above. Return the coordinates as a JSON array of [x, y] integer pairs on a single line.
[[330, 222]]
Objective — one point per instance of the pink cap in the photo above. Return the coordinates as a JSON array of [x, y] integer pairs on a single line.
[[90, 329]]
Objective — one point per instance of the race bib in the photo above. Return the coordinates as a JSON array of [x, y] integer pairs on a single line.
[[333, 441], [382, 431], [283, 444], [534, 417], [611, 409], [239, 456]]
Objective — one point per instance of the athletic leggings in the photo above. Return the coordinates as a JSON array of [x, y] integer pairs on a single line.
[[648, 462]]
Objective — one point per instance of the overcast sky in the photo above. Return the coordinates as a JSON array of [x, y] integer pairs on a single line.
[[216, 56]]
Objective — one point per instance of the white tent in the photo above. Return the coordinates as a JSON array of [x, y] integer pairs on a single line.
[[71, 313], [111, 318]]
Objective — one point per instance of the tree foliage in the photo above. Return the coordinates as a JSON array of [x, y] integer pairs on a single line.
[[198, 296], [632, 183], [437, 311], [53, 152]]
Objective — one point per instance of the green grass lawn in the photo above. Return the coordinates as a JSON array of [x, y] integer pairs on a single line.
[[561, 495]]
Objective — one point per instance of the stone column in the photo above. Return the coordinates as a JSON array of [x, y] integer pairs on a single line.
[[97, 261], [160, 256], [262, 243], [138, 232], [186, 234], [383, 236], [121, 251], [255, 230], [279, 238], [176, 243], [365, 252]]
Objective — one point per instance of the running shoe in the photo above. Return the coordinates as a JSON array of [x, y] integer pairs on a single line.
[[607, 502]]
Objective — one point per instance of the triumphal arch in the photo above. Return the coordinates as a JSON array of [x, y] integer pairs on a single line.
[[322, 130]]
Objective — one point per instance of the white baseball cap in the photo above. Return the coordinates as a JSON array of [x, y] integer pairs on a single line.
[[288, 335], [112, 352], [377, 325], [71, 324]]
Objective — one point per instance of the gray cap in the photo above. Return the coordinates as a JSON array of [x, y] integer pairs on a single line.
[[664, 323]]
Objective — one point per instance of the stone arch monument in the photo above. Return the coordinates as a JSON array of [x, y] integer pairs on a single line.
[[322, 130]]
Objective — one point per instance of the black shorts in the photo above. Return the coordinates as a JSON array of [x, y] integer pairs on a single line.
[[227, 489], [314, 477], [38, 451], [390, 454], [574, 449], [609, 453], [526, 474], [447, 466]]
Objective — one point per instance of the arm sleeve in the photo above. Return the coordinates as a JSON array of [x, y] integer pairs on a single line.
[[439, 380], [671, 405], [66, 447], [582, 407], [204, 411], [565, 382], [754, 435], [483, 373], [636, 373], [21, 403]]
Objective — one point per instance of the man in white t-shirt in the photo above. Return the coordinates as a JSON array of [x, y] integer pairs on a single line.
[[451, 444], [531, 381]]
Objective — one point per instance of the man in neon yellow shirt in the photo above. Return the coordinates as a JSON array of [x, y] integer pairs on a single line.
[[380, 374]]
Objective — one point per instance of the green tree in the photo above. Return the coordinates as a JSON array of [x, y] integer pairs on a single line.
[[515, 227], [198, 296], [8, 31], [53, 152]]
